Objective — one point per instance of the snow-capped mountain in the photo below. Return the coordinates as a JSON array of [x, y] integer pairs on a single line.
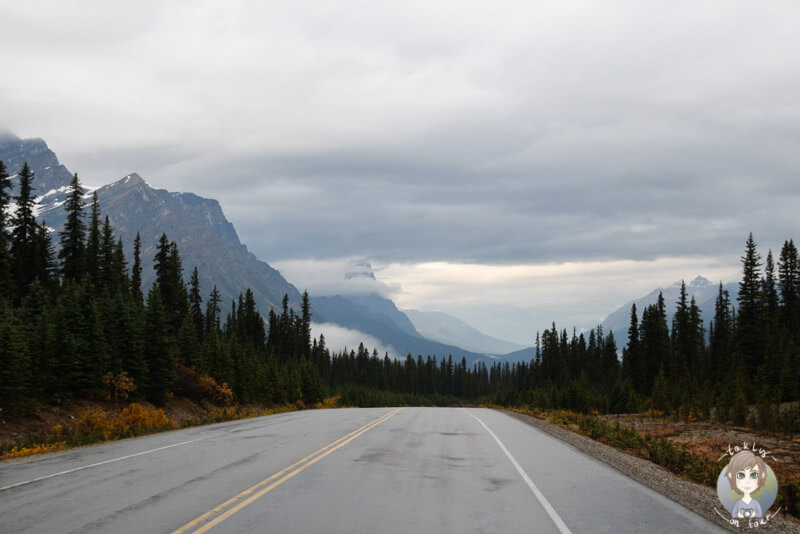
[[205, 238]]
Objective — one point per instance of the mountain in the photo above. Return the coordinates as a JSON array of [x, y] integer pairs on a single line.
[[703, 290], [450, 330], [379, 317], [50, 174], [205, 238]]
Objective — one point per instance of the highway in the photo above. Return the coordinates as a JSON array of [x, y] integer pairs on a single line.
[[377, 470]]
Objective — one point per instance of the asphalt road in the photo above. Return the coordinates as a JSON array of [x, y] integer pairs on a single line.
[[421, 470]]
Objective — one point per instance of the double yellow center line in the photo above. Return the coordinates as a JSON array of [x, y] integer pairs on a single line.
[[220, 513]]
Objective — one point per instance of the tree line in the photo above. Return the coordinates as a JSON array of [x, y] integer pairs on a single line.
[[78, 324]]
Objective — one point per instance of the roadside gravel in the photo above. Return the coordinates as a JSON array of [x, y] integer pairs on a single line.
[[696, 497]]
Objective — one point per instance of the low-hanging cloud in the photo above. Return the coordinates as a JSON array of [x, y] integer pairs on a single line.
[[339, 339]]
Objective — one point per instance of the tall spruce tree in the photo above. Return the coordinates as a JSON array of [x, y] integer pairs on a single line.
[[24, 233], [789, 286], [654, 342], [632, 364], [93, 241], [136, 272], [196, 305], [73, 237], [5, 236], [749, 323], [159, 349]]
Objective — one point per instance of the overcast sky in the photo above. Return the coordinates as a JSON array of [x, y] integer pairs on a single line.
[[511, 163]]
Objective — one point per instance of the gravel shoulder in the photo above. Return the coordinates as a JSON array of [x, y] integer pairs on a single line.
[[698, 498]]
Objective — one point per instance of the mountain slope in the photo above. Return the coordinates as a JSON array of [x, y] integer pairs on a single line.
[[49, 173], [205, 238], [450, 330], [387, 328]]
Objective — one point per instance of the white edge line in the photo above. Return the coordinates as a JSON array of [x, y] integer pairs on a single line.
[[562, 527], [68, 471]]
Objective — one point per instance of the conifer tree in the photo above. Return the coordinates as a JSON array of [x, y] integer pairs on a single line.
[[15, 364], [24, 233], [720, 342], [44, 266], [73, 237], [136, 272], [213, 311], [5, 236], [789, 285], [159, 349], [654, 342], [632, 365], [106, 256], [681, 338], [750, 317], [169, 278], [195, 305], [93, 241]]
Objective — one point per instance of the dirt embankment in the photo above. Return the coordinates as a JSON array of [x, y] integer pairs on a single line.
[[20, 431]]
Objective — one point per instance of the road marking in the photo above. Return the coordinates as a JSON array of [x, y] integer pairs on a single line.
[[284, 474], [68, 471], [562, 527]]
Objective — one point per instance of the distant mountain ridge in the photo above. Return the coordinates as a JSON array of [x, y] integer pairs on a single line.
[[379, 317], [702, 289], [450, 330]]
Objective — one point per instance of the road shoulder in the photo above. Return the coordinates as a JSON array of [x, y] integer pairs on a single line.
[[696, 497]]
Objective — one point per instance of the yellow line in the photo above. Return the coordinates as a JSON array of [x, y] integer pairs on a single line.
[[292, 470]]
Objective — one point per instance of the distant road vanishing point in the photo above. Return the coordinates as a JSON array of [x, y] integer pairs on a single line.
[[376, 470]]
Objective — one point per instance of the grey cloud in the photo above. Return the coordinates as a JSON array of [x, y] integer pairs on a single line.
[[503, 133]]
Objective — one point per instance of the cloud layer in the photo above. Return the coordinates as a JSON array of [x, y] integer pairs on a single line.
[[409, 133]]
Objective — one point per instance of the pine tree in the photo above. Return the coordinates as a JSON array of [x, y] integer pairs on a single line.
[[305, 332], [654, 343], [136, 272], [789, 285], [159, 349], [5, 237], [749, 324], [169, 278], [44, 266], [196, 305], [681, 339], [73, 237], [24, 233], [106, 257], [213, 311], [632, 363], [93, 242], [15, 364], [720, 339]]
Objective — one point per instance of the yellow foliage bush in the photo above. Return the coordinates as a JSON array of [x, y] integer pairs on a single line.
[[18, 452], [330, 402], [219, 394], [134, 419]]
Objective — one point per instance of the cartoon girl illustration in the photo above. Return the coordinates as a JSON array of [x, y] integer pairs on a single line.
[[747, 473]]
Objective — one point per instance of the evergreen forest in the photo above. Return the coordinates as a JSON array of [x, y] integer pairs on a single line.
[[78, 324]]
